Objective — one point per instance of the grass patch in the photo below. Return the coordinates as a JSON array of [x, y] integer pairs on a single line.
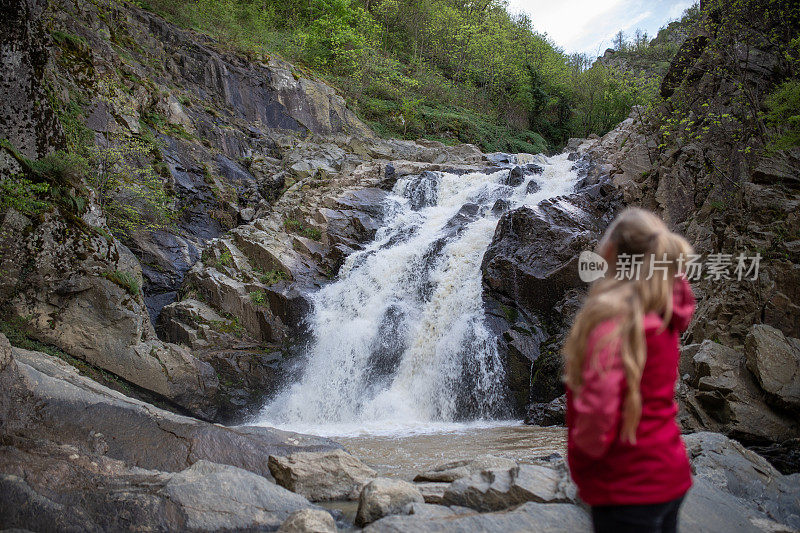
[[271, 277], [126, 280], [296, 226]]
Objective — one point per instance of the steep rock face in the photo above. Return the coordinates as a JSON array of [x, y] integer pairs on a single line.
[[25, 117], [76, 289], [223, 134], [531, 283]]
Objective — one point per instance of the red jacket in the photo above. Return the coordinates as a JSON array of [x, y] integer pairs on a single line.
[[656, 468]]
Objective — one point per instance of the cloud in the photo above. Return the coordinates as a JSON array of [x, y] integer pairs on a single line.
[[588, 26]]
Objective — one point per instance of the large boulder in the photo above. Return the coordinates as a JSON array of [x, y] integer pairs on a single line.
[[221, 497], [774, 360], [383, 496], [48, 487], [531, 279], [82, 294], [321, 476], [729, 466], [54, 402], [553, 413]]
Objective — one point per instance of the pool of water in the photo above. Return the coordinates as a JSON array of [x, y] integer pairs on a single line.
[[405, 455]]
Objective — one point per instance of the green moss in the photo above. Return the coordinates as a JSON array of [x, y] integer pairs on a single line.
[[69, 40]]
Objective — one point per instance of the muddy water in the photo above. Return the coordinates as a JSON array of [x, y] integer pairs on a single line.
[[405, 456]]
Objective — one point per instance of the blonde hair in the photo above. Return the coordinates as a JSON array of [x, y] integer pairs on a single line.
[[639, 233]]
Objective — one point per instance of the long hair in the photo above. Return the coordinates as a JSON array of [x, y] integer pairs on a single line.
[[625, 299]]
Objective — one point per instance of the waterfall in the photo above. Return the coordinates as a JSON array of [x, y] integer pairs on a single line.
[[399, 339]]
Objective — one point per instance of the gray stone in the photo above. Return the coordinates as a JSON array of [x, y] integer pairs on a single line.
[[496, 489], [428, 510], [309, 521], [451, 471], [708, 509], [539, 517], [432, 492], [730, 467], [720, 394], [383, 496], [774, 360], [321, 476], [54, 402], [221, 497]]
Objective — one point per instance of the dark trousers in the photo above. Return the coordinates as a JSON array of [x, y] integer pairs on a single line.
[[653, 518]]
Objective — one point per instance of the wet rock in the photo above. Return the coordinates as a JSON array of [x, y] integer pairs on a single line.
[[533, 168], [530, 516], [382, 497], [500, 206], [784, 456], [28, 119], [774, 360], [515, 177], [532, 259], [548, 414], [321, 476], [451, 471], [501, 158], [533, 187], [496, 489], [309, 521], [423, 190]]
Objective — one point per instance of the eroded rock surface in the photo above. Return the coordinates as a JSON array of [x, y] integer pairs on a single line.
[[321, 476]]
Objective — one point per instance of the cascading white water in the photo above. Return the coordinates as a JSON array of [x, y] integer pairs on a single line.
[[399, 338]]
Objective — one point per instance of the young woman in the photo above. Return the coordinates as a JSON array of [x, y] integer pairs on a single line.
[[624, 447]]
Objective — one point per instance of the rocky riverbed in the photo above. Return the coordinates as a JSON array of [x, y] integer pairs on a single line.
[[443, 279]]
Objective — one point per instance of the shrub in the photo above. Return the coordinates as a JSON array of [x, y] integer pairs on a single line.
[[225, 260], [259, 298], [783, 115]]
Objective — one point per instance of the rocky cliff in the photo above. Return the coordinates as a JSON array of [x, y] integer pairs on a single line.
[[702, 160]]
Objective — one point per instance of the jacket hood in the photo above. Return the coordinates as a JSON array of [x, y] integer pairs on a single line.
[[683, 305]]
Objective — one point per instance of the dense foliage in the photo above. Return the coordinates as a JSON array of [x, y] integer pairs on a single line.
[[447, 70]]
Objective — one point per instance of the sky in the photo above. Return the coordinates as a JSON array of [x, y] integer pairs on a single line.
[[589, 26]]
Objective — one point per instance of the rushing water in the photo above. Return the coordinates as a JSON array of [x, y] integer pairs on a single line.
[[399, 341]]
